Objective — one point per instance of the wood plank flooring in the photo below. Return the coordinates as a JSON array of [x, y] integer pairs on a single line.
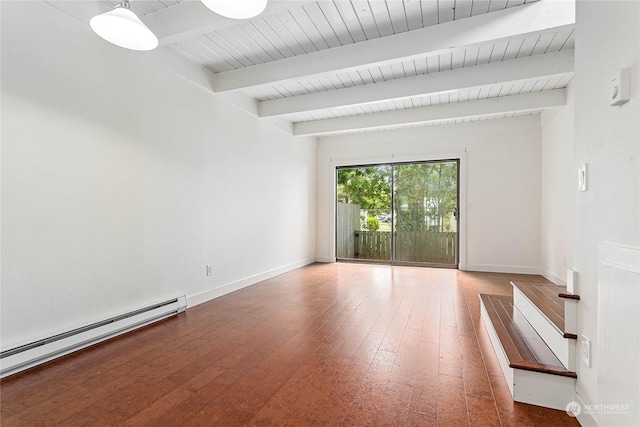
[[328, 344]]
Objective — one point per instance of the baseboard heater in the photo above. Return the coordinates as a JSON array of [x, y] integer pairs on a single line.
[[28, 355]]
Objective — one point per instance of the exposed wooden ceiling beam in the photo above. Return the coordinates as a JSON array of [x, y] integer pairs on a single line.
[[520, 21], [458, 110], [551, 64]]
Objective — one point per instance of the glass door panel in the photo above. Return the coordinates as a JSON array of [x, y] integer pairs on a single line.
[[363, 219], [425, 212]]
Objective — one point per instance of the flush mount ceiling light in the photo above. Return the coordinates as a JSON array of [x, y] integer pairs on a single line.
[[236, 9], [123, 28]]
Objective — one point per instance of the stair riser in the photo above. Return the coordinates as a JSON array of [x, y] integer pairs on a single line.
[[562, 347], [536, 388], [571, 316]]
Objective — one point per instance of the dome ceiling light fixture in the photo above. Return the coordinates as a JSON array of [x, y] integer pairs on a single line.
[[122, 27], [236, 9]]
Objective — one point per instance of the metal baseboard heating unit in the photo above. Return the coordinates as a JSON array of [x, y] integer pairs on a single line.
[[26, 356]]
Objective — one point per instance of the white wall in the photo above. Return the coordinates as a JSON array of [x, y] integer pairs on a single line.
[[120, 181], [502, 184], [558, 183], [608, 139]]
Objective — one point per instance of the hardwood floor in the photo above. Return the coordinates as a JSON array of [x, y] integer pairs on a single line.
[[328, 344]]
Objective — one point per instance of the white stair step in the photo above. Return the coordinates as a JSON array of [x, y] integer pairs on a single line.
[[532, 371], [545, 310]]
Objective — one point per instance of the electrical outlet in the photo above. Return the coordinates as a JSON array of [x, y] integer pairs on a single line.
[[209, 270], [586, 351]]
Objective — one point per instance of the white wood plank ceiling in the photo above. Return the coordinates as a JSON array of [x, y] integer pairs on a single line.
[[345, 66]]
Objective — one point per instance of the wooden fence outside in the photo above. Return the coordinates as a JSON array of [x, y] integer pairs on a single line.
[[411, 246], [348, 224], [426, 246]]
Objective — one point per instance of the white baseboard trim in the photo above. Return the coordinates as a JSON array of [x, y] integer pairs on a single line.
[[553, 278], [488, 268], [585, 418], [193, 300], [325, 259]]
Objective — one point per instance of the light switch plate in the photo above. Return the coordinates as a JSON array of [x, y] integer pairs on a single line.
[[582, 177], [586, 351]]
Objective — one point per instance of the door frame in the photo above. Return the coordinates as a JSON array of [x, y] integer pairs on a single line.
[[461, 157]]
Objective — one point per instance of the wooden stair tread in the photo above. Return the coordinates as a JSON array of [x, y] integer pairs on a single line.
[[522, 345], [546, 297]]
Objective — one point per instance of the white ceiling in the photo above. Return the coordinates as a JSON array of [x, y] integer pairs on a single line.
[[341, 66]]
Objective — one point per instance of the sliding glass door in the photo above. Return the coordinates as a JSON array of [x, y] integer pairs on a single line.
[[426, 210], [404, 213]]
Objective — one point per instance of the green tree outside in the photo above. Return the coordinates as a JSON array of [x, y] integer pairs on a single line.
[[426, 196], [369, 187], [425, 193]]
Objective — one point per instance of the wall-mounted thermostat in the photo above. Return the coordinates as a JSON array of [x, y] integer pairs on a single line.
[[620, 89]]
